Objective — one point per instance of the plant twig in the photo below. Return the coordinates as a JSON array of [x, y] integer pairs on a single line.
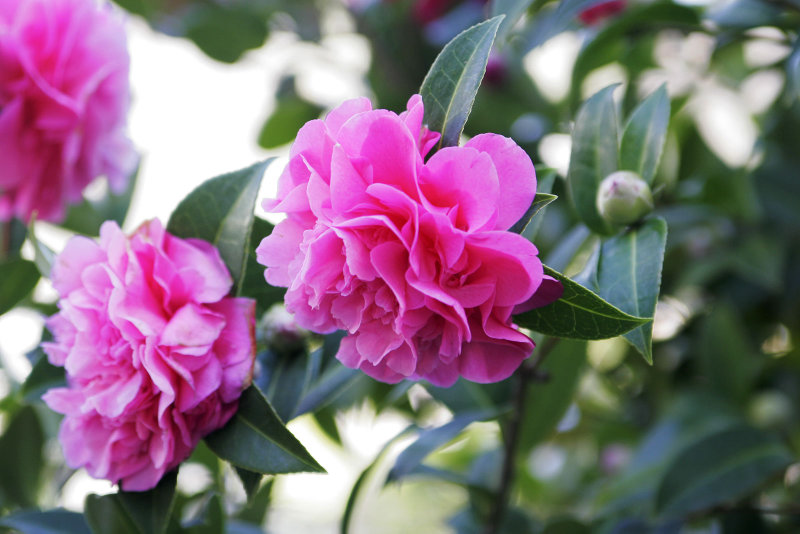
[[528, 372]]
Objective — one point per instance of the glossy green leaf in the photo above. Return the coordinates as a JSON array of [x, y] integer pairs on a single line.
[[282, 381], [644, 135], [105, 514], [540, 201], [56, 521], [150, 510], [18, 277], [720, 468], [545, 179], [513, 10], [254, 285], [87, 217], [250, 480], [452, 82], [221, 211], [629, 276], [256, 439], [578, 314], [21, 458], [431, 439], [595, 147], [546, 403]]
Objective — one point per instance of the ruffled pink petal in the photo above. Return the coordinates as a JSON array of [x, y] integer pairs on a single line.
[[515, 173]]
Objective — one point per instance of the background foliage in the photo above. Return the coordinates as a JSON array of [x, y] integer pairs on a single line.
[[687, 423]]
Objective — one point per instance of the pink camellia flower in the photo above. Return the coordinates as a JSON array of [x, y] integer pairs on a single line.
[[601, 11], [63, 100], [411, 257], [156, 354]]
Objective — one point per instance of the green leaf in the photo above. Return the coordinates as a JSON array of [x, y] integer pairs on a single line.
[[43, 376], [720, 468], [22, 458], [725, 358], [513, 10], [545, 404], [578, 314], [254, 285], [745, 14], [57, 521], [282, 381], [87, 217], [793, 71], [431, 439], [327, 388], [290, 114], [255, 511], [595, 147], [150, 510], [352, 499], [18, 277], [250, 480], [539, 201], [221, 211], [105, 514], [210, 519], [256, 439], [629, 276], [43, 257], [549, 25], [225, 32], [645, 134], [545, 180], [12, 236], [452, 82]]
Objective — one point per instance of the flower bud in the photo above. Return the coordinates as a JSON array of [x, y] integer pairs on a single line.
[[624, 198]]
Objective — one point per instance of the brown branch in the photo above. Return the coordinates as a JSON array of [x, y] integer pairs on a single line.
[[528, 373]]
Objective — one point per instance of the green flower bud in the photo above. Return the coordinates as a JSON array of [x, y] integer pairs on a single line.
[[624, 198]]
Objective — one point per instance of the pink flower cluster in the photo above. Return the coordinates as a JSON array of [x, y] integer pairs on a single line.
[[63, 101], [156, 354], [411, 257]]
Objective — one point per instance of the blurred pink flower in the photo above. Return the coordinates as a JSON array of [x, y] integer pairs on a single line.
[[601, 10], [412, 258], [156, 354], [63, 100]]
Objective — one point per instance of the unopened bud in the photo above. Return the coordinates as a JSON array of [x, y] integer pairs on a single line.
[[281, 331], [624, 198]]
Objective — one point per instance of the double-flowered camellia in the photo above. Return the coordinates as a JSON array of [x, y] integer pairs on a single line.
[[63, 102], [411, 257], [156, 353]]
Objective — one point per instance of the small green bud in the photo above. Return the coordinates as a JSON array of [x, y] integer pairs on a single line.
[[624, 198]]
